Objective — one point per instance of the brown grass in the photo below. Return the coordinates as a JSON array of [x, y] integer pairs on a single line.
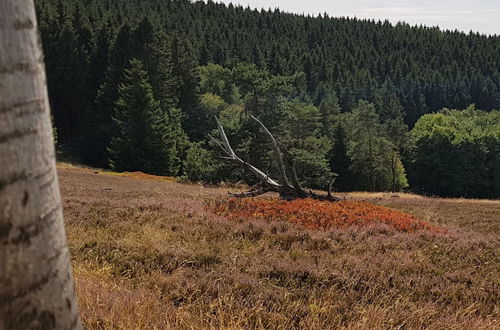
[[147, 255], [135, 174]]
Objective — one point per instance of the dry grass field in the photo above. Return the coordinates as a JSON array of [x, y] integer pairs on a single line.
[[149, 254]]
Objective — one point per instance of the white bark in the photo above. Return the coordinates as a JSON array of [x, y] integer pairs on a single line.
[[226, 147], [36, 285], [267, 184], [277, 153]]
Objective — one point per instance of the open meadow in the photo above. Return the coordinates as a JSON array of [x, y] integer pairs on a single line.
[[151, 254], [187, 164]]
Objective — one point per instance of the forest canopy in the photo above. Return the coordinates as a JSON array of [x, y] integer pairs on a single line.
[[457, 153], [135, 85]]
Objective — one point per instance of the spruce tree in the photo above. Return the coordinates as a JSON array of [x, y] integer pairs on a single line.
[[145, 139], [100, 125], [340, 162], [185, 69], [330, 111], [390, 112], [369, 149]]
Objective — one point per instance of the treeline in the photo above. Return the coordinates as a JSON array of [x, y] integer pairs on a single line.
[[134, 85], [457, 153], [425, 68], [449, 153], [364, 146]]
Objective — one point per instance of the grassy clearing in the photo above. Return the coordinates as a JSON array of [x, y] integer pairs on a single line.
[[148, 255], [135, 175]]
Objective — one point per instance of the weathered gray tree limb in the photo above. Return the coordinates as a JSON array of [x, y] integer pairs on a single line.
[[277, 153], [231, 156], [266, 184]]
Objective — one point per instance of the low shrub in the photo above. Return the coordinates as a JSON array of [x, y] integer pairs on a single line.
[[314, 214]]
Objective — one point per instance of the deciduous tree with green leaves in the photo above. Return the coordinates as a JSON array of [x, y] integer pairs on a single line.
[[457, 153]]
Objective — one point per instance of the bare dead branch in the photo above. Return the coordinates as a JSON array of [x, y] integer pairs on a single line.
[[330, 186], [225, 141], [293, 172], [232, 157], [277, 153], [219, 145], [266, 184]]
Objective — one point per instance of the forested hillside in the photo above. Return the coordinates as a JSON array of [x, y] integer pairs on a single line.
[[134, 85]]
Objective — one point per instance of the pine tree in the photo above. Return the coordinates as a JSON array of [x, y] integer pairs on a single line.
[[88, 44], [340, 162], [120, 55], [301, 132], [390, 112], [432, 69], [185, 69], [67, 80], [330, 111], [146, 138], [161, 71], [100, 125], [368, 148]]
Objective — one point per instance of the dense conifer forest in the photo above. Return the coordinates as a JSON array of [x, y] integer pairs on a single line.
[[135, 85]]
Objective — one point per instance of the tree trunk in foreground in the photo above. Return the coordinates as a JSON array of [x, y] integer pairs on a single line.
[[36, 285]]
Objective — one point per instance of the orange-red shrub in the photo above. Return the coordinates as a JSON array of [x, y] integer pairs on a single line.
[[315, 214]]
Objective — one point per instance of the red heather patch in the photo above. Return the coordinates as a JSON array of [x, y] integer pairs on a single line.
[[314, 214]]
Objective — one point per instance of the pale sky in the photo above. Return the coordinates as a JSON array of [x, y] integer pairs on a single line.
[[477, 15]]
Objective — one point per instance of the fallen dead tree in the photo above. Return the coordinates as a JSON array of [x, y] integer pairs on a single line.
[[288, 188]]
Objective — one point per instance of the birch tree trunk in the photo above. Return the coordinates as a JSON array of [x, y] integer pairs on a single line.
[[36, 284]]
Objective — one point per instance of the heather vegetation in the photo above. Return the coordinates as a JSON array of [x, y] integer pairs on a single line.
[[153, 254], [315, 214], [135, 86], [171, 109]]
